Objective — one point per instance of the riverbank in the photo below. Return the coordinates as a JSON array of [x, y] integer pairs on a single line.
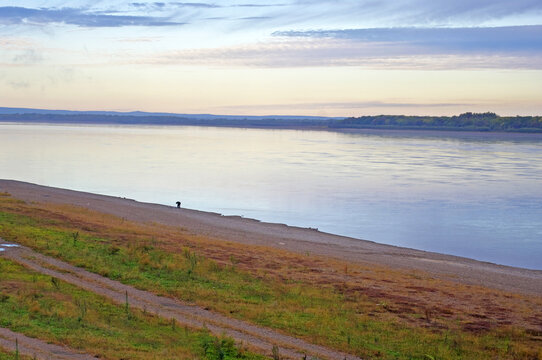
[[295, 239], [344, 295]]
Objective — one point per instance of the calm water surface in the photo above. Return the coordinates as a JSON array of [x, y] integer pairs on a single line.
[[473, 195]]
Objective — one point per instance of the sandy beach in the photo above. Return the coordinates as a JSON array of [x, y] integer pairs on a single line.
[[299, 240]]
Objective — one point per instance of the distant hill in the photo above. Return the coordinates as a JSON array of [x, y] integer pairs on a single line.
[[465, 122], [21, 111]]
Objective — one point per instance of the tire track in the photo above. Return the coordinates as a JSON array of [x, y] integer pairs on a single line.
[[38, 349], [257, 337]]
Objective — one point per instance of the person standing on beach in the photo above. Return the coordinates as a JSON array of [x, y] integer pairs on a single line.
[[178, 204]]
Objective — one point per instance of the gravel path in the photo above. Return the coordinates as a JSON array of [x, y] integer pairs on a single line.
[[38, 349], [260, 338]]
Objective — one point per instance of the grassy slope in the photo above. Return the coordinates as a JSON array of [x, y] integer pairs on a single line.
[[33, 304], [278, 289]]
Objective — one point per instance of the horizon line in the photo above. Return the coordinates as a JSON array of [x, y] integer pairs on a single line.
[[30, 110]]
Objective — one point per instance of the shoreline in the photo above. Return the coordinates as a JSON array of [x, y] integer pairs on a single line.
[[392, 131], [290, 238]]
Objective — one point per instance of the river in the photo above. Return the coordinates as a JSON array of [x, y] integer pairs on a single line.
[[477, 195]]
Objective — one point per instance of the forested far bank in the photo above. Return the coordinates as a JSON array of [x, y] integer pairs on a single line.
[[465, 122], [468, 121]]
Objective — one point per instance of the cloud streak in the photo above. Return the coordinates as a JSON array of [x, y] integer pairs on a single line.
[[28, 57], [426, 13], [13, 15], [297, 14], [163, 5], [444, 11], [443, 40], [407, 48], [347, 105], [18, 85]]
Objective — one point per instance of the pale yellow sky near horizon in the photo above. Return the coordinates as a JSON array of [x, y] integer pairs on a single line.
[[326, 91]]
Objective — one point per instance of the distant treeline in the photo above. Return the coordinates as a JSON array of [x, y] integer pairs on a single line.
[[465, 122], [279, 122]]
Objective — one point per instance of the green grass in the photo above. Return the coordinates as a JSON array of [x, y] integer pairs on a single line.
[[32, 304], [317, 313], [7, 355]]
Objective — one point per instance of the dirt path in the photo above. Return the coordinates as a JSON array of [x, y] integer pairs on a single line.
[[300, 240], [38, 349], [260, 338]]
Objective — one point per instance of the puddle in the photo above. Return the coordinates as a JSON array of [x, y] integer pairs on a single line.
[[4, 246]]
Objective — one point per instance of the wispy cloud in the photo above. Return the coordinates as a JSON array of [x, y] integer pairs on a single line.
[[260, 5], [17, 85], [346, 105], [195, 4], [138, 39], [164, 5], [443, 40], [315, 49], [426, 13], [296, 14], [12, 15], [256, 18], [28, 57], [467, 11], [16, 43]]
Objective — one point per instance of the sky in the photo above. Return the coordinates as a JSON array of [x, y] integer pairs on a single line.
[[273, 57]]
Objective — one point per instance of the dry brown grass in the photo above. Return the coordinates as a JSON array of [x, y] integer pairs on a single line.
[[401, 293], [412, 297]]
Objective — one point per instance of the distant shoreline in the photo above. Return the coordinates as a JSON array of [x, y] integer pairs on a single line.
[[291, 238], [346, 130], [465, 123]]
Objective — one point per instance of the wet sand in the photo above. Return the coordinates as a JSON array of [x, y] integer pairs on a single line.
[[300, 240]]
